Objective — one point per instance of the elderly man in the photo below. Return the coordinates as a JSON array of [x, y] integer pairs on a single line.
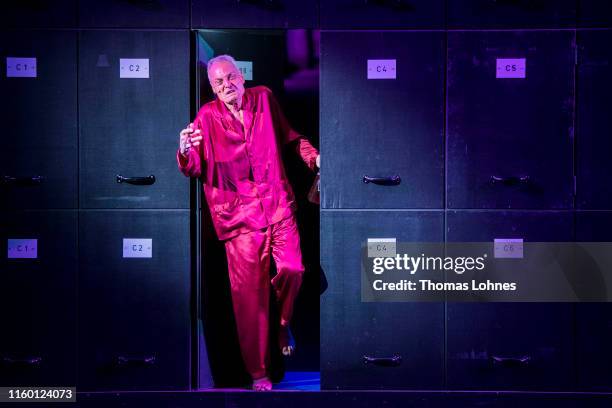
[[234, 146]]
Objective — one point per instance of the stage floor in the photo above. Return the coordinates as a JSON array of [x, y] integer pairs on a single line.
[[302, 390]]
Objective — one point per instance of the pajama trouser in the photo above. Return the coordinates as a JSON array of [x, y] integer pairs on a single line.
[[248, 260]]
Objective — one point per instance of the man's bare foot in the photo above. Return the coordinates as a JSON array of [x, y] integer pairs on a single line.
[[262, 384], [286, 341]]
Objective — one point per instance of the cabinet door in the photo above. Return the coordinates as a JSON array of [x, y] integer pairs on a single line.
[[39, 14], [38, 110], [134, 14], [129, 126], [512, 14], [351, 14], [510, 119], [594, 126], [527, 346], [352, 330], [594, 13], [134, 291], [382, 141], [594, 320], [38, 293], [254, 14]]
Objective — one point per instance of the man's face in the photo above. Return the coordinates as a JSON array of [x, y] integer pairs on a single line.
[[227, 82]]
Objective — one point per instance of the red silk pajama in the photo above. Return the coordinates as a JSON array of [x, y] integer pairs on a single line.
[[248, 259]]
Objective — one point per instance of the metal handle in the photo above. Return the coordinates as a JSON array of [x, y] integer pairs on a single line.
[[398, 5], [22, 181], [265, 4], [383, 361], [521, 361], [135, 361], [510, 181], [383, 181], [27, 361], [528, 6], [137, 181], [515, 3]]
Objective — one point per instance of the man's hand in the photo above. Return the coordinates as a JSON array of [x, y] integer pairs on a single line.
[[189, 138]]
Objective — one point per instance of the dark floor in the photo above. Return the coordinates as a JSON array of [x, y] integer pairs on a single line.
[[336, 399], [302, 389]]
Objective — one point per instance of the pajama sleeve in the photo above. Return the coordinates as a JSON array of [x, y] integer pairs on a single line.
[[306, 151], [191, 165]]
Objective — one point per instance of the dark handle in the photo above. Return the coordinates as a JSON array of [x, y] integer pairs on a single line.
[[383, 181], [136, 361], [510, 181], [397, 5], [528, 6], [522, 361], [137, 181], [515, 3], [266, 4], [27, 361], [22, 181], [383, 361]]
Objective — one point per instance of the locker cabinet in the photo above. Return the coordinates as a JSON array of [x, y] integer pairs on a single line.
[[527, 346], [134, 308], [351, 14], [594, 127], [134, 14], [510, 119], [129, 126], [594, 320], [377, 345], [511, 13], [38, 298], [254, 14], [382, 139], [38, 159]]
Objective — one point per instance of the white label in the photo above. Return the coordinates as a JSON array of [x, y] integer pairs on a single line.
[[23, 248], [381, 69], [511, 68], [381, 247], [508, 248], [137, 248], [133, 68], [246, 68], [21, 67]]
